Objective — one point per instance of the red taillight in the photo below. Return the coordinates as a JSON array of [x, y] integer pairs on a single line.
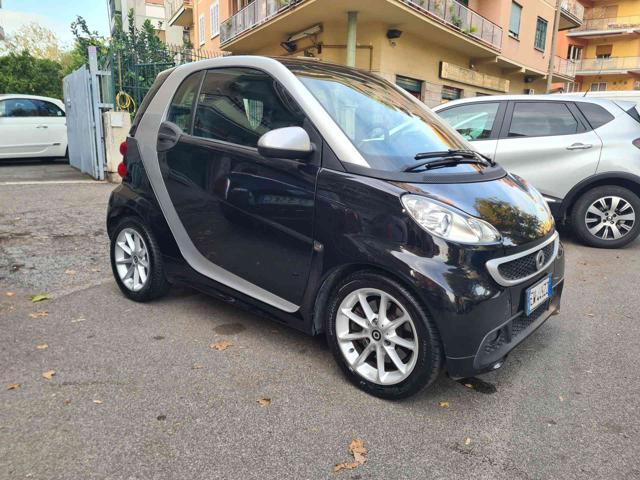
[[122, 169], [123, 148], [636, 143]]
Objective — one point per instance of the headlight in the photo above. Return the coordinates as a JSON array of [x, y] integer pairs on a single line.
[[447, 223]]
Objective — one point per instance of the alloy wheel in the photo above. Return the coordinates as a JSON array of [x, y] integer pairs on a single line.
[[610, 218], [376, 336], [132, 259]]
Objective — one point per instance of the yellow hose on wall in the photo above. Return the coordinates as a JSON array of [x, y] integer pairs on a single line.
[[124, 101]]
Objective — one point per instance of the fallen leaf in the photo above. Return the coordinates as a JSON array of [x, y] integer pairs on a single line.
[[49, 374], [221, 345], [10, 294], [67, 401], [356, 448], [197, 366], [467, 441], [41, 313], [70, 272], [40, 297], [42, 346], [13, 386], [264, 402], [97, 402], [444, 404]]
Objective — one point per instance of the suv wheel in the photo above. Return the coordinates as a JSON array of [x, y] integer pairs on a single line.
[[136, 261], [607, 217], [381, 336]]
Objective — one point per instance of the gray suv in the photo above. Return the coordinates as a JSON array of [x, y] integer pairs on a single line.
[[582, 153]]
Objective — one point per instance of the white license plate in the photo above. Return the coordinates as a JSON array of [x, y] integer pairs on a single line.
[[538, 294]]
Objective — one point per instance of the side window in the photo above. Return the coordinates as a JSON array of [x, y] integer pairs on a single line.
[[239, 105], [181, 108], [595, 114], [19, 107], [48, 109], [539, 119], [474, 121]]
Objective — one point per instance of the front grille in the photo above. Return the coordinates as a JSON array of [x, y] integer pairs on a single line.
[[524, 266], [513, 329]]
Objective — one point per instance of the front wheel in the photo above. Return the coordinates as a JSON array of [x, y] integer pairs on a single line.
[[607, 217], [136, 261], [381, 336]]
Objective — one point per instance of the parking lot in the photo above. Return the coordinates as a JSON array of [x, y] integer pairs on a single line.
[[139, 394]]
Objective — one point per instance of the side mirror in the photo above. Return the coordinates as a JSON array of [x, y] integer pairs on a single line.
[[287, 142]]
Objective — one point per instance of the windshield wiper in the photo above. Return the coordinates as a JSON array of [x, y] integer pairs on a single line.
[[448, 157]]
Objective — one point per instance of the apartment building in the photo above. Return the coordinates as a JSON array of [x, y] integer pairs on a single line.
[[438, 50], [606, 47], [1, 29], [157, 11]]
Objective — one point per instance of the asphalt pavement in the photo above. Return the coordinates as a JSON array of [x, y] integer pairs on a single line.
[[139, 394]]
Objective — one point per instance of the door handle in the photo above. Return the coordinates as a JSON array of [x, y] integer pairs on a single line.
[[579, 146], [42, 126], [168, 135]]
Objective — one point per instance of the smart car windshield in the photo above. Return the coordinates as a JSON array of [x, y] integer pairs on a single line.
[[386, 127]]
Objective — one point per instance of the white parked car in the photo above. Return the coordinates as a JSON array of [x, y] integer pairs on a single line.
[[32, 126]]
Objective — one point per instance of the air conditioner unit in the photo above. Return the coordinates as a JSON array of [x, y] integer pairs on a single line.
[[529, 91]]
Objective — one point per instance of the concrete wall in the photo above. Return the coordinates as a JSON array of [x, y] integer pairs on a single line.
[[116, 128]]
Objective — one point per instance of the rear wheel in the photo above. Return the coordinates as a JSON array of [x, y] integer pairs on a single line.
[[607, 217], [136, 261], [381, 336]]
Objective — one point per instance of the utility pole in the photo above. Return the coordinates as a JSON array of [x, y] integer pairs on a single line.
[[554, 41]]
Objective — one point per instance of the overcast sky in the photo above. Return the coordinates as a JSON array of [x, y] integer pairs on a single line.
[[56, 15]]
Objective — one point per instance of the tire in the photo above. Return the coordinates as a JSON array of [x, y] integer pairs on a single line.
[[155, 284], [582, 218], [422, 368]]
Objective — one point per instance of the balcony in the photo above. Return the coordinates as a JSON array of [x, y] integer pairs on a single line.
[[602, 27], [180, 13], [564, 69], [607, 66], [449, 14], [571, 14]]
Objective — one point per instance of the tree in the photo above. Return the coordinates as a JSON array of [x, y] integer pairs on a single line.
[[24, 73], [39, 41], [84, 38]]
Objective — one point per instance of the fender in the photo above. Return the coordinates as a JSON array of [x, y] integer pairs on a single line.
[[613, 178]]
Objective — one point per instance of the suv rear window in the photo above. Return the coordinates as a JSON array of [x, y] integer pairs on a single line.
[[595, 114], [633, 111]]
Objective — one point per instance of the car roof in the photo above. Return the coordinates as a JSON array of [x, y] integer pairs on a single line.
[[541, 98], [34, 97]]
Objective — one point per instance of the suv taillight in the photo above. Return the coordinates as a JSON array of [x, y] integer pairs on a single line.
[[636, 142]]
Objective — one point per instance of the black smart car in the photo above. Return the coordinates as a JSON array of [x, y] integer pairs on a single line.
[[332, 201]]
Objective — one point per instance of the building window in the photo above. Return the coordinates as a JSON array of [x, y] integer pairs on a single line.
[[411, 85], [451, 93], [214, 12], [541, 34], [598, 87], [574, 52], [572, 87], [514, 20], [604, 51], [201, 29]]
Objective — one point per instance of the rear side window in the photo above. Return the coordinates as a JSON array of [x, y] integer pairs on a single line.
[[181, 109], [595, 114], [541, 119], [633, 111], [48, 109], [239, 105], [474, 121], [19, 107], [162, 76]]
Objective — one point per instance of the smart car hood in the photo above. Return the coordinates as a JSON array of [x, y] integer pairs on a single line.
[[509, 203]]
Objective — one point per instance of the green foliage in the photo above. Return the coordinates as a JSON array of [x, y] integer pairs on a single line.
[[84, 38], [24, 73]]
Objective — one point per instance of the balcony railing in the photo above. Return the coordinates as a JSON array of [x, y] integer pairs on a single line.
[[175, 5], [607, 65], [461, 18], [251, 16], [449, 12], [573, 8], [612, 23], [564, 67]]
